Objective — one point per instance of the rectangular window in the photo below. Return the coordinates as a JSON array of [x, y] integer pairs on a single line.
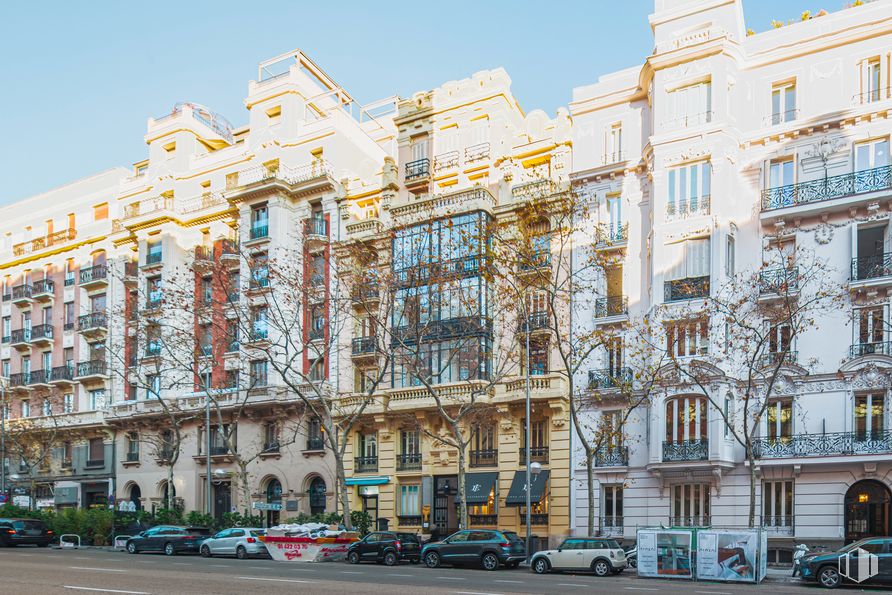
[[410, 442], [783, 103], [874, 92], [69, 272], [260, 324], [779, 420], [611, 506], [153, 251], [781, 173], [410, 500], [539, 357], [259, 377], [777, 503], [26, 409], [153, 386], [96, 452], [871, 154], [7, 329], [690, 105], [870, 416], [729, 256], [67, 403], [871, 330], [368, 445], [5, 367], [207, 291], [613, 143], [689, 189], [68, 314], [97, 399], [259, 221], [690, 505], [685, 338]]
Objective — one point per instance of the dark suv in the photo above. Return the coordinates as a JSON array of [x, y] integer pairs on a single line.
[[387, 547], [488, 548], [168, 539], [24, 532], [828, 568]]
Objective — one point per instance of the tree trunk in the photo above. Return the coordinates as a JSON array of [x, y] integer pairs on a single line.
[[752, 463], [245, 488], [463, 504], [170, 486], [590, 478], [341, 489]]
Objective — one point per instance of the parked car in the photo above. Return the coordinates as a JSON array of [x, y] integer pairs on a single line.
[[170, 539], [24, 532], [387, 547], [824, 567], [486, 547], [601, 556], [239, 542]]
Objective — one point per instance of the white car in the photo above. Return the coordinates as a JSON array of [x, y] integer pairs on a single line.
[[597, 554], [239, 542]]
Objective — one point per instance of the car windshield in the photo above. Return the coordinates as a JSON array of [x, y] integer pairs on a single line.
[[855, 544], [258, 533], [28, 524], [411, 537]]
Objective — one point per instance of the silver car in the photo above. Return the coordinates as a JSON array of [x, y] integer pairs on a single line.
[[239, 542]]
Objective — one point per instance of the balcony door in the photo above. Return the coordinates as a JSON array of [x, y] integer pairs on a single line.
[[686, 420], [779, 421], [871, 161], [870, 417], [690, 505], [871, 330]]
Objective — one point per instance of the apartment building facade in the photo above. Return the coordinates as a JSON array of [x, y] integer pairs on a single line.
[[719, 149]]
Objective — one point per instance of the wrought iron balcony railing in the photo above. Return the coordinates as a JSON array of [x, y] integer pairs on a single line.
[[154, 257], [41, 332], [690, 120], [779, 281], [538, 454], [535, 321], [20, 379], [20, 335], [686, 289], [535, 519], [829, 444], [775, 357], [483, 458], [93, 320], [877, 347], [611, 306], [420, 168], [98, 272], [872, 267], [685, 450], [476, 152], [614, 157], [259, 230], [777, 522], [609, 378], [699, 520], [614, 456], [364, 345], [691, 207], [91, 368], [408, 520], [365, 291], [43, 286], [611, 525], [132, 457], [780, 117], [315, 443], [316, 227], [408, 462], [62, 373], [37, 244], [859, 182], [609, 235], [871, 95], [365, 464], [446, 160], [22, 292]]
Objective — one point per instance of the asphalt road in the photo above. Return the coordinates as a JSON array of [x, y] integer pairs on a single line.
[[27, 571]]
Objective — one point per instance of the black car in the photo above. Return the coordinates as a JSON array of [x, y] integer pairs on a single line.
[[865, 562], [488, 548], [385, 546], [169, 539], [24, 532]]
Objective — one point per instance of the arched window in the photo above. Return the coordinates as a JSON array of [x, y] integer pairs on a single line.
[[135, 496], [165, 495], [686, 419], [273, 496], [317, 495]]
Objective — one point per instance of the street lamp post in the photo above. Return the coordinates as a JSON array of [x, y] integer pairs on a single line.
[[527, 427]]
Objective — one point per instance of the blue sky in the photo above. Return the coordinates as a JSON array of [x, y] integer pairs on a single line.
[[82, 77]]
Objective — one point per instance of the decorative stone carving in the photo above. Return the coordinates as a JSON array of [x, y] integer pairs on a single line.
[[823, 233], [871, 377]]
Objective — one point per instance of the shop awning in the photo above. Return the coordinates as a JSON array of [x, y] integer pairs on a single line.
[[368, 481], [517, 493], [478, 486]]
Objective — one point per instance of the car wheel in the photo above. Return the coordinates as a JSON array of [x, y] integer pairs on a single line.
[[353, 557], [600, 568], [829, 577], [489, 561], [205, 551], [169, 549], [131, 548], [541, 566], [390, 559], [241, 553], [432, 560]]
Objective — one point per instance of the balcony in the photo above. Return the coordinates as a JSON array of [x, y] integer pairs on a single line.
[[537, 262], [21, 294], [93, 324], [42, 335], [616, 456], [364, 347], [420, 168], [408, 462], [691, 120], [153, 302], [875, 348], [871, 96], [43, 290], [365, 292], [315, 233], [132, 457], [611, 236], [477, 152], [20, 338], [611, 158], [91, 370], [315, 443], [153, 348], [611, 525], [408, 520], [780, 118], [609, 378], [535, 519], [483, 519], [611, 307], [685, 450], [151, 206], [154, 257], [62, 375], [779, 281], [686, 289], [841, 186], [259, 230], [824, 445], [38, 244], [483, 458], [535, 190], [777, 525], [536, 321], [776, 357], [94, 277], [692, 207], [699, 520], [872, 268], [20, 380], [41, 377], [365, 465], [229, 249], [538, 454], [446, 160]]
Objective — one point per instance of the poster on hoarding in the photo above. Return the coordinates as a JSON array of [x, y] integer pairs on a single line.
[[665, 553], [731, 556]]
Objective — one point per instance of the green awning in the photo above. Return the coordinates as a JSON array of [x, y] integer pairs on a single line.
[[478, 486], [517, 493], [367, 481]]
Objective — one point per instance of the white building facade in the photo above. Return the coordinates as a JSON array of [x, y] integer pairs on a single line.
[[700, 162]]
